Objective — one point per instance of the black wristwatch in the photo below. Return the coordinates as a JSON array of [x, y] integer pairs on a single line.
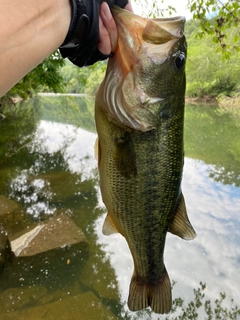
[[80, 44]]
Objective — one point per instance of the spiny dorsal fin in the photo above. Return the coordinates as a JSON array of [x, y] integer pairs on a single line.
[[108, 226], [157, 294], [181, 225]]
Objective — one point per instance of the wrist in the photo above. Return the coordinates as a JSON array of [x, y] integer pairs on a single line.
[[82, 36], [78, 16]]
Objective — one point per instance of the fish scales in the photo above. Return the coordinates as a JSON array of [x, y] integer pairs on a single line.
[[140, 159], [140, 221]]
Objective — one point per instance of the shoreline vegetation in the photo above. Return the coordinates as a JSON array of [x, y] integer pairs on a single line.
[[210, 78], [231, 102], [221, 101]]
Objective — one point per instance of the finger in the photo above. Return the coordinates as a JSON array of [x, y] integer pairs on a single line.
[[104, 43], [107, 29]]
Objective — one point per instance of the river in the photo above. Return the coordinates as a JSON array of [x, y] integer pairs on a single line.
[[48, 171]]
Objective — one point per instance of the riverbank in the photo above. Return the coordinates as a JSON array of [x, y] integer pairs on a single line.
[[231, 102], [199, 100], [223, 101]]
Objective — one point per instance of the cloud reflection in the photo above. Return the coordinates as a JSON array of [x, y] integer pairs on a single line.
[[78, 144], [54, 144], [213, 208], [213, 257]]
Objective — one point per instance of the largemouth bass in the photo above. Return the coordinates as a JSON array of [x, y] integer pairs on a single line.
[[139, 118]]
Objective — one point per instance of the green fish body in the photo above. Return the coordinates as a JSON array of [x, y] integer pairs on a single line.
[[139, 118]]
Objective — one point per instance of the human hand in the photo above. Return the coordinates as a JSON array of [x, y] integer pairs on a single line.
[[91, 38]]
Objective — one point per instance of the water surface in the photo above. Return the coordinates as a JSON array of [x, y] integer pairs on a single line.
[[47, 169]]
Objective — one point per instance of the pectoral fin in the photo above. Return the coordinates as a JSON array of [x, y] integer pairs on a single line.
[[181, 225], [109, 226], [124, 155]]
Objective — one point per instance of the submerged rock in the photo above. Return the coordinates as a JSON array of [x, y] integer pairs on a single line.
[[56, 232], [52, 254]]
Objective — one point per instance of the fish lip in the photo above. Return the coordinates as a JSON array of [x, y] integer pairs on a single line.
[[121, 15], [180, 20], [170, 19]]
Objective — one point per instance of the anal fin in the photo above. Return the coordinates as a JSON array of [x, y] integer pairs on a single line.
[[157, 295], [109, 226], [181, 225]]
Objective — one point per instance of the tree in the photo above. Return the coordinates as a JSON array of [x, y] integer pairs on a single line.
[[46, 76], [83, 80], [207, 75], [216, 17]]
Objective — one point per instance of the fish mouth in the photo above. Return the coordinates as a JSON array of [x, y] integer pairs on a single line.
[[141, 41], [136, 32]]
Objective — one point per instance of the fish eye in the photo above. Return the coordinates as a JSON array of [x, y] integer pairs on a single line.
[[180, 60]]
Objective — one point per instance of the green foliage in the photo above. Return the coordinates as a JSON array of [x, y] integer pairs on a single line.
[[224, 15], [215, 18], [207, 73], [155, 9], [212, 135], [83, 80], [45, 77]]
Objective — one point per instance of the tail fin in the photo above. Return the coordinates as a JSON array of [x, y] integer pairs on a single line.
[[157, 295]]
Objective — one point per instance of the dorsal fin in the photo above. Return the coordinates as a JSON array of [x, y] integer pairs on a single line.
[[181, 225], [109, 226]]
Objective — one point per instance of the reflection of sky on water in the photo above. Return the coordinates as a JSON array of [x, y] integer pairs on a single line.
[[78, 144], [213, 208], [213, 257], [77, 147]]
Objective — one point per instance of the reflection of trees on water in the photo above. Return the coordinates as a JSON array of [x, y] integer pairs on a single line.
[[64, 191], [197, 309], [75, 110], [225, 175], [202, 308], [16, 130], [214, 137], [44, 184]]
